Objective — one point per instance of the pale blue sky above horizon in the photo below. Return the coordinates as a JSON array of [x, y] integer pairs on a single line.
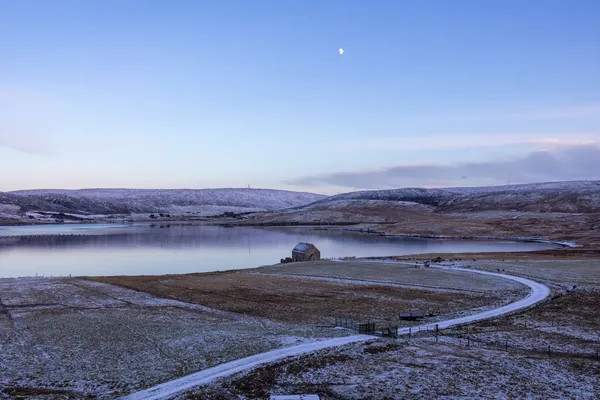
[[195, 94]]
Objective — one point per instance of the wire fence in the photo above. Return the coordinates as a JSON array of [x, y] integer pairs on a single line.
[[542, 349], [546, 350], [471, 338]]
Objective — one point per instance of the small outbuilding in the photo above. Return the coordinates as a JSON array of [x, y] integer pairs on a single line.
[[305, 252], [412, 315]]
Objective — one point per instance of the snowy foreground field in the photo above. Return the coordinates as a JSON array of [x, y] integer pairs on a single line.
[[548, 351], [108, 337], [71, 338]]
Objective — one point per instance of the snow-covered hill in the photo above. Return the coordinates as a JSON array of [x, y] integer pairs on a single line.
[[376, 205], [575, 196], [177, 201]]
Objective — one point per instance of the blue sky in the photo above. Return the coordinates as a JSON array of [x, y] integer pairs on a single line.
[[194, 94]]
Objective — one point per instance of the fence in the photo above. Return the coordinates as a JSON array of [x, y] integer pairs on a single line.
[[471, 340], [346, 322], [386, 330], [507, 345], [369, 327]]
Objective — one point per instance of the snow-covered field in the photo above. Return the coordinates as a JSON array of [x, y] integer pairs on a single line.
[[395, 273], [72, 337], [421, 367], [9, 211], [418, 368], [565, 273], [163, 391], [87, 338]]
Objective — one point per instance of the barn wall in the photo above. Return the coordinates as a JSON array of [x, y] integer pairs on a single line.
[[306, 256], [297, 256]]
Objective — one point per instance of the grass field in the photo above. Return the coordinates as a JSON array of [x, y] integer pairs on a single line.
[[405, 274], [569, 323], [420, 368], [413, 369], [71, 339], [286, 298]]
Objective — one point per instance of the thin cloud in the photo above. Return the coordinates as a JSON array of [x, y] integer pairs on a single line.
[[458, 141], [545, 114], [557, 113], [580, 162]]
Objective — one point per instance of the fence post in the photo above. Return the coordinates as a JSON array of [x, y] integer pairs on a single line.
[[409, 332], [506, 345], [437, 332], [468, 341], [597, 355]]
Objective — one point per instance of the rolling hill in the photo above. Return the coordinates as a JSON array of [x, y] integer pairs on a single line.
[[565, 197], [127, 201]]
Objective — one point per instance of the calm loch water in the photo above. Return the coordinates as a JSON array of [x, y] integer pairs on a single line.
[[152, 249]]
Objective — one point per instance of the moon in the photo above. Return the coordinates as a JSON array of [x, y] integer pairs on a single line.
[[341, 51]]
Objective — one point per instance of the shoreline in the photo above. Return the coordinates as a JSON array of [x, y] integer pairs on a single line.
[[339, 227], [324, 227], [526, 239]]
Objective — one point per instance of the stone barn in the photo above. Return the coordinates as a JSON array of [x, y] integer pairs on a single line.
[[305, 252]]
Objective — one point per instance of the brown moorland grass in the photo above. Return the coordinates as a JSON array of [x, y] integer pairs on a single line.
[[297, 300], [584, 229], [550, 255]]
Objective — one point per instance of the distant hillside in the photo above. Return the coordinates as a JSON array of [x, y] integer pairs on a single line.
[[569, 197], [124, 201], [563, 212]]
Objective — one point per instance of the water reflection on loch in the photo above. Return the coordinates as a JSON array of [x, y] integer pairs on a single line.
[[143, 249]]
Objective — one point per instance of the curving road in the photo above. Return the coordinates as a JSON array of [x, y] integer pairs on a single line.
[[168, 389]]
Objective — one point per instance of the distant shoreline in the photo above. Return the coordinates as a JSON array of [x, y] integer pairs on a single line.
[[315, 226]]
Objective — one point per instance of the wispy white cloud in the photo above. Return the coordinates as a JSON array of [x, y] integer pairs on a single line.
[[579, 162], [531, 114], [586, 111], [460, 141]]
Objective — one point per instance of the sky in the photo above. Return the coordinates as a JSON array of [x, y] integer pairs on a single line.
[[208, 94]]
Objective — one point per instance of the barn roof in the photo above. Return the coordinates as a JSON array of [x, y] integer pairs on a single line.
[[301, 247]]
